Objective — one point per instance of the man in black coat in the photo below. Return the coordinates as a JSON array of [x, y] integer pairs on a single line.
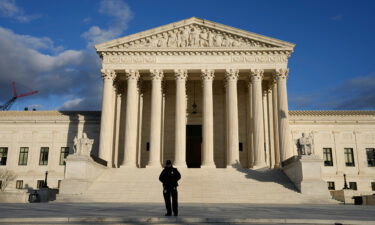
[[169, 177]]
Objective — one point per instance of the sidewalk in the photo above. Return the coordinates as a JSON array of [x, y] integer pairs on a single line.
[[91, 213]]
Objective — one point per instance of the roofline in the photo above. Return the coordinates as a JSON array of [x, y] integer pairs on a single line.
[[99, 47]]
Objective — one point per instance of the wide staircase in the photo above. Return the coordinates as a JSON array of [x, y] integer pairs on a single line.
[[197, 185]]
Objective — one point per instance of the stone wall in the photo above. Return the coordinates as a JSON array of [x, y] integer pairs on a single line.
[[331, 129], [338, 130]]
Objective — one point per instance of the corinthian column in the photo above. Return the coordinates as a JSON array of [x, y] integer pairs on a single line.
[[180, 127], [275, 123], [208, 120], [156, 110], [258, 130], [106, 121], [281, 76], [233, 156], [131, 120]]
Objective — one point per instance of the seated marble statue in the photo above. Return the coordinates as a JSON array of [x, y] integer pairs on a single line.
[[305, 144], [83, 145]]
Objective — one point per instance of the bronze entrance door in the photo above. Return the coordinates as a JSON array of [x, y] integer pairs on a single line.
[[193, 145]]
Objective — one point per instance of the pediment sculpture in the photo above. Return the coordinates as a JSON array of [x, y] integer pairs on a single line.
[[305, 144], [193, 35], [83, 146]]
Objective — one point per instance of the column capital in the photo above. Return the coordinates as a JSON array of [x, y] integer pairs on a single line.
[[108, 74], [181, 74], [156, 74], [231, 74], [207, 74], [282, 73], [256, 74], [132, 74]]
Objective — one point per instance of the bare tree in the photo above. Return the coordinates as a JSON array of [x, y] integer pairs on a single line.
[[6, 176]]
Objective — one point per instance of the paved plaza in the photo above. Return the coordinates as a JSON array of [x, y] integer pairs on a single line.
[[126, 213]]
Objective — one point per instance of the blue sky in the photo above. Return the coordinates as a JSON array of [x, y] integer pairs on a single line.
[[47, 45]]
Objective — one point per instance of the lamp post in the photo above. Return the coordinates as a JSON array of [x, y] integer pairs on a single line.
[[345, 184], [45, 181]]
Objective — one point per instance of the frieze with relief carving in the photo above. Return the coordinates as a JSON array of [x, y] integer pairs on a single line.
[[193, 36]]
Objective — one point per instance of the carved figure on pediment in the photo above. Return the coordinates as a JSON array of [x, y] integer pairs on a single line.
[[305, 144], [179, 39], [197, 33], [185, 37], [164, 40], [154, 41], [210, 39], [172, 39], [203, 39], [240, 42], [218, 40], [83, 145]]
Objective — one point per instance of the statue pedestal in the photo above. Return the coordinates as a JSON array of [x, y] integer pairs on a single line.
[[305, 172], [80, 172]]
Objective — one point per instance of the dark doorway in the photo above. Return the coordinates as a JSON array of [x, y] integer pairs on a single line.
[[193, 145]]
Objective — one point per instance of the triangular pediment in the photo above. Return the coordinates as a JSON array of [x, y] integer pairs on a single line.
[[194, 33]]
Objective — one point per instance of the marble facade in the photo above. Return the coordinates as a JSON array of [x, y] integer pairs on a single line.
[[229, 84]]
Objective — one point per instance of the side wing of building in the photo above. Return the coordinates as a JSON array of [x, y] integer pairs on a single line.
[[33, 142], [346, 142]]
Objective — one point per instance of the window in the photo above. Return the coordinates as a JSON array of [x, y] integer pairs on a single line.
[[39, 184], [3, 156], [43, 159], [1, 184], [64, 152], [58, 183], [331, 185], [327, 154], [24, 152], [370, 156], [349, 157], [19, 184], [353, 185], [373, 186]]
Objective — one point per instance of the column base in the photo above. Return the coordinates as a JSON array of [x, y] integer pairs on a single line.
[[208, 165], [129, 165], [154, 165], [259, 166], [180, 164]]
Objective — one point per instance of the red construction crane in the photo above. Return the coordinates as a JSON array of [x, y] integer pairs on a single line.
[[9, 103]]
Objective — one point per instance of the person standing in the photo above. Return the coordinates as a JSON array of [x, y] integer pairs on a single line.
[[169, 177]]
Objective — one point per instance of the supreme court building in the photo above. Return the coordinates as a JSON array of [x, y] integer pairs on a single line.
[[201, 93], [209, 97]]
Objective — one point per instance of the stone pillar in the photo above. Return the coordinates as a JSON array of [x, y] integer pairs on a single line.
[[156, 116], [208, 119], [266, 130], [117, 127], [233, 155], [250, 135], [271, 127], [281, 76], [275, 124], [180, 122], [256, 79], [131, 120], [106, 122]]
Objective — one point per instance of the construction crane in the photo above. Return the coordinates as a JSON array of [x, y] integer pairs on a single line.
[[9, 103]]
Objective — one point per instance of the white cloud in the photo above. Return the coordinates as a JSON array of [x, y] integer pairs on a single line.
[[69, 72], [338, 17], [9, 9], [86, 20], [73, 103], [120, 13]]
